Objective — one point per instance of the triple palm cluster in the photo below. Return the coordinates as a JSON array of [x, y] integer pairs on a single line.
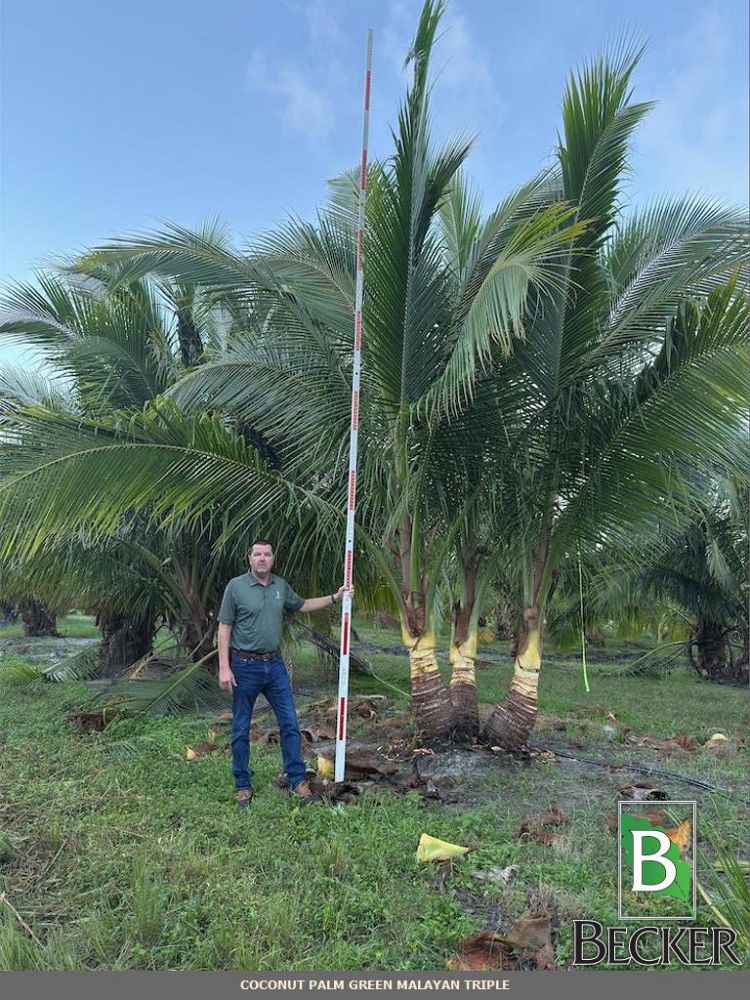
[[542, 383]]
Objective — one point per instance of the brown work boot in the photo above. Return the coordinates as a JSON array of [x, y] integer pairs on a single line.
[[303, 790], [244, 797]]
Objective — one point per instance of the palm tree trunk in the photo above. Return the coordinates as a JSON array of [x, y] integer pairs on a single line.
[[710, 638], [191, 346], [37, 618], [198, 634], [463, 686], [463, 651], [430, 704], [8, 612], [513, 718], [197, 629], [125, 640]]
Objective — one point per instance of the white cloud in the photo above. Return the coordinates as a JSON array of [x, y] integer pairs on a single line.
[[323, 21], [397, 35], [306, 108], [699, 111], [469, 93], [308, 98], [466, 94]]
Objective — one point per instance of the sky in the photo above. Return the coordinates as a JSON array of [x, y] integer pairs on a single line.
[[115, 118]]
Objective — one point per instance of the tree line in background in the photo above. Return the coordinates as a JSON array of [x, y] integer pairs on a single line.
[[553, 404]]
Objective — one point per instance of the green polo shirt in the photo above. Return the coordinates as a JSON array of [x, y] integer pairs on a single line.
[[256, 612]]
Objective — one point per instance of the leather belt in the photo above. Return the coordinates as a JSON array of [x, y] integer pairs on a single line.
[[248, 654]]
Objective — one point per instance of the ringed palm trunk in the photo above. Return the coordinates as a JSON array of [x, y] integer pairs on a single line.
[[8, 612], [197, 628], [463, 651], [711, 652], [463, 687], [711, 641], [38, 619], [513, 718], [125, 640], [430, 704], [198, 634]]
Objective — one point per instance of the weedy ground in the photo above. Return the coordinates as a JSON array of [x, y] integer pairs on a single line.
[[118, 853]]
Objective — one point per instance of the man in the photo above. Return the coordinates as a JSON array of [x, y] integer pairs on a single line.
[[250, 623]]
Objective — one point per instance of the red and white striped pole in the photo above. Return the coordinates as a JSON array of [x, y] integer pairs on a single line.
[[346, 606]]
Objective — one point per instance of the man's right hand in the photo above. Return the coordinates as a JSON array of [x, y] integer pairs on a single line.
[[226, 679]]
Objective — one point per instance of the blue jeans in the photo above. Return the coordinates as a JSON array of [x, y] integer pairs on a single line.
[[267, 677]]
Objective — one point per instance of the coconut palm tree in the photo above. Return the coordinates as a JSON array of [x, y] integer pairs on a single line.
[[440, 300], [704, 572], [594, 413], [110, 352]]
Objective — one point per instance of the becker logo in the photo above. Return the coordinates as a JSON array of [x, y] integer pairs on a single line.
[[593, 944], [655, 881], [655, 860]]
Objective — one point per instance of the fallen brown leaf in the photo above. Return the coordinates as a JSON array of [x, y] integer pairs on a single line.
[[484, 951], [677, 744], [342, 791], [528, 941], [268, 738], [685, 741], [531, 934], [556, 840], [200, 750], [92, 721], [533, 827], [531, 930], [639, 792], [314, 733], [367, 709], [552, 816]]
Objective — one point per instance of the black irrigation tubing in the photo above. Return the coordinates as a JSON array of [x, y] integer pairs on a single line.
[[650, 771]]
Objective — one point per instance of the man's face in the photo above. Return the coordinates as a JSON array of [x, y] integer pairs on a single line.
[[261, 560]]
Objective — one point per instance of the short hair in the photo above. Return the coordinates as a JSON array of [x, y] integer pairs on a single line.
[[259, 541]]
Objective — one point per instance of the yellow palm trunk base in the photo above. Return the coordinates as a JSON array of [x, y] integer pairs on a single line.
[[430, 704], [463, 688], [513, 719]]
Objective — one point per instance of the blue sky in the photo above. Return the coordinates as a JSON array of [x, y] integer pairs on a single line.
[[118, 116]]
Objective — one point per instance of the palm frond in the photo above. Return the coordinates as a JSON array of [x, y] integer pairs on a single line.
[[191, 689], [78, 667]]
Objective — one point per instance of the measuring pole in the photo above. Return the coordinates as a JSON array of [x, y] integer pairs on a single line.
[[346, 605]]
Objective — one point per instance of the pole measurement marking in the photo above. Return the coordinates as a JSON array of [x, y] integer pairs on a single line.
[[346, 604]]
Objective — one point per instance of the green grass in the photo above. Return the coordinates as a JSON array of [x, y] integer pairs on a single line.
[[118, 853]]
